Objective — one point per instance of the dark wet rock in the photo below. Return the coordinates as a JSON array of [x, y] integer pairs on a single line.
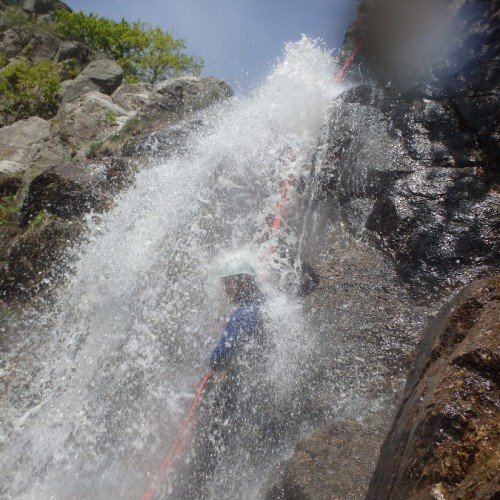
[[445, 437], [65, 191], [102, 75], [69, 191], [9, 184], [429, 185], [335, 462], [36, 258]]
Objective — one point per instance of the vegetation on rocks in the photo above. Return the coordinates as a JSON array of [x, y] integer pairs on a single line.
[[24, 24], [113, 144], [40, 51], [28, 89], [144, 52], [9, 211]]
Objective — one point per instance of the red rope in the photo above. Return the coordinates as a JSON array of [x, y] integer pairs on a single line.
[[349, 61], [181, 439]]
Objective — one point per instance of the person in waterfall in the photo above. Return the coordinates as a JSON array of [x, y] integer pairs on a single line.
[[232, 359], [244, 324]]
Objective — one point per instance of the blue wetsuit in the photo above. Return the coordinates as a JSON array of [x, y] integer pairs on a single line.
[[242, 324]]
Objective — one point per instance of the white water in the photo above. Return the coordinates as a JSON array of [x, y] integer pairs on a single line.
[[104, 377]]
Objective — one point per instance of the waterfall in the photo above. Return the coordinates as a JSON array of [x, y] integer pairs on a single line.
[[101, 377], [98, 380]]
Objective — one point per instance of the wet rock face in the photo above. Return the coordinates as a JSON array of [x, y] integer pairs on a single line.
[[324, 465], [425, 186], [64, 191], [72, 190], [414, 157], [37, 258], [49, 222], [445, 438]]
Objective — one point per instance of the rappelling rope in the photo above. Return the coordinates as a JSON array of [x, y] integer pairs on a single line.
[[278, 226], [348, 61], [181, 439]]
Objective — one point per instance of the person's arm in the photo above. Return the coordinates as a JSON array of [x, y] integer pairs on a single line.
[[242, 323]]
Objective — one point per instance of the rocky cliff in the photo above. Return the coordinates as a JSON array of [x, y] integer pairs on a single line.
[[53, 171], [412, 157], [445, 440]]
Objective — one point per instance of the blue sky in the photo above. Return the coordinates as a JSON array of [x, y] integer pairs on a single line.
[[240, 40]]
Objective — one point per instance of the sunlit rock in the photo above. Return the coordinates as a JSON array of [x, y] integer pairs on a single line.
[[89, 118], [101, 75], [30, 146], [446, 434]]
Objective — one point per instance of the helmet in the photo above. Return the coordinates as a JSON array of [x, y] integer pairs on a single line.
[[235, 263]]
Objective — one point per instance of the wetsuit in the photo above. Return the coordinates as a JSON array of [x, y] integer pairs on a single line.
[[243, 324], [220, 401]]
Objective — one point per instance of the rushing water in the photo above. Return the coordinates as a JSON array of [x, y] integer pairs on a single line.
[[97, 384]]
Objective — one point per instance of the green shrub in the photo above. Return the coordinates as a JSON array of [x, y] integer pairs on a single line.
[[14, 17], [28, 89], [26, 25], [41, 219], [9, 211], [144, 52], [111, 117]]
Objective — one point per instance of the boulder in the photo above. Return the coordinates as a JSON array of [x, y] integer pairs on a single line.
[[23, 141], [101, 75], [11, 167], [11, 43], [30, 146], [52, 154], [445, 440], [41, 46], [133, 96], [335, 462], [40, 7], [66, 191], [36, 258], [170, 102], [76, 55], [187, 94], [88, 119]]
